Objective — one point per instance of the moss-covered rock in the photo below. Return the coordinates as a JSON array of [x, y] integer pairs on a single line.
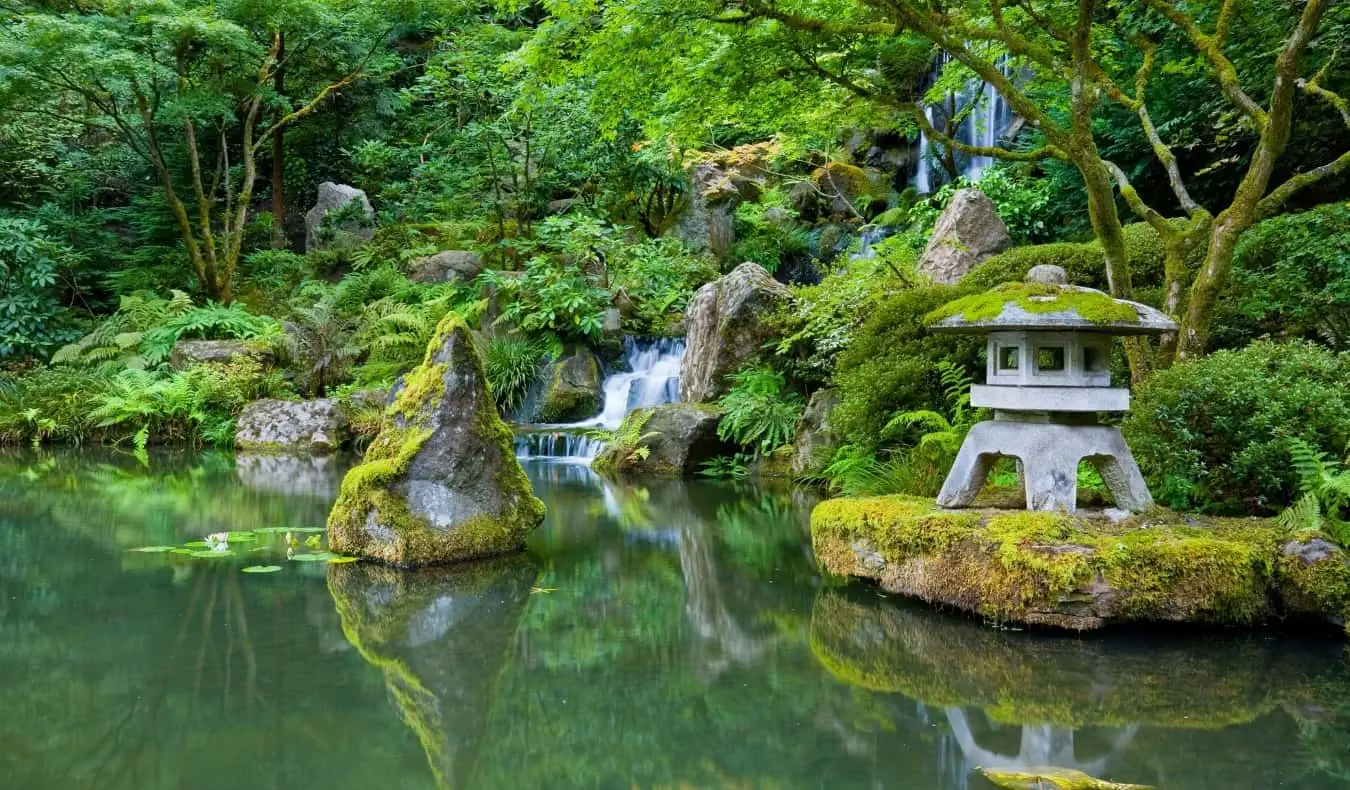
[[667, 441], [441, 482], [1040, 299], [1070, 571], [574, 389], [1052, 778]]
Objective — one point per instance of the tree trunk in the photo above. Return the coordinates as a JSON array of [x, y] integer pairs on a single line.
[[279, 155]]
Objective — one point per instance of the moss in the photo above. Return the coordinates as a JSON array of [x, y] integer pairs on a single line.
[[1037, 298], [371, 489], [565, 401], [1319, 588], [1050, 778], [1049, 568]]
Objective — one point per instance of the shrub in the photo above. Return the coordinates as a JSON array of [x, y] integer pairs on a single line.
[[29, 310], [821, 320], [1212, 433], [759, 412], [1083, 262], [49, 403], [660, 275], [892, 365], [1021, 203], [1290, 277]]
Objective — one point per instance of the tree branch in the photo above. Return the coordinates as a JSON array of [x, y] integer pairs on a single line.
[[1211, 48]]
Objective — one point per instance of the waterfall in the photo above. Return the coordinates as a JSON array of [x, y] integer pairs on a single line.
[[989, 118], [868, 238], [651, 377]]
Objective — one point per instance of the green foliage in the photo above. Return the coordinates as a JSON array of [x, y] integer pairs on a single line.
[[759, 412], [940, 435], [1083, 262], [821, 320], [1324, 501], [511, 365], [766, 232], [29, 310], [1022, 204], [552, 296], [321, 343], [1290, 278], [207, 322], [49, 404], [892, 364], [627, 445], [1213, 433], [727, 467], [660, 276]]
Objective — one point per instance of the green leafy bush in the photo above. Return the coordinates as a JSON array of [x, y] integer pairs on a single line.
[[892, 364], [766, 232], [321, 344], [660, 276], [1021, 203], [29, 310], [821, 320], [759, 412], [1212, 433], [552, 296], [1291, 278], [49, 403], [1083, 262]]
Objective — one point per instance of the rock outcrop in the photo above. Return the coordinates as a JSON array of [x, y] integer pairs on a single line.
[[814, 441], [187, 353], [356, 222], [441, 482], [968, 232], [669, 441], [726, 326], [717, 184], [449, 266], [312, 426], [1080, 572], [574, 389]]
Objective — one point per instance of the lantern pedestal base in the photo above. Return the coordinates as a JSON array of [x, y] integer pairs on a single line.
[[1048, 455]]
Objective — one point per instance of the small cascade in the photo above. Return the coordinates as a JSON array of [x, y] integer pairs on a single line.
[[990, 117], [869, 237], [651, 378]]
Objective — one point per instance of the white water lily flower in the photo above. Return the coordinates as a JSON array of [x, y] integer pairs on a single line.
[[218, 541]]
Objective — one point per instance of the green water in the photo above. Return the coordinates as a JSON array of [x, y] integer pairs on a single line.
[[659, 635]]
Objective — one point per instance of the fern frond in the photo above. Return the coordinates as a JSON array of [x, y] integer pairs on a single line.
[[1305, 515]]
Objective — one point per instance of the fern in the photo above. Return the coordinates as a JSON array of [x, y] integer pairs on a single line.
[[1325, 494], [759, 412], [628, 444], [942, 434]]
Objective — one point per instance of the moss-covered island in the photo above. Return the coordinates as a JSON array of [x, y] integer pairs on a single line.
[[440, 483], [1083, 572]]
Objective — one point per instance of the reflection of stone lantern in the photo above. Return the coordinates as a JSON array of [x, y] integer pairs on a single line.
[[1048, 376]]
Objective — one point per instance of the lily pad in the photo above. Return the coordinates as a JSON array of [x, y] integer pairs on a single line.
[[154, 549], [319, 556], [272, 530], [307, 529], [212, 555], [240, 536], [196, 544], [262, 569], [342, 560], [180, 551]]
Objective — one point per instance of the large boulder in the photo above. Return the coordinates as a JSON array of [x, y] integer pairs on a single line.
[[671, 441], [312, 426], [814, 442], [574, 389], [718, 182], [356, 222], [968, 232], [187, 353], [725, 327], [450, 266], [440, 483]]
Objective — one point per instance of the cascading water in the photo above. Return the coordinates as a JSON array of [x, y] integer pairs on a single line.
[[651, 378], [989, 117]]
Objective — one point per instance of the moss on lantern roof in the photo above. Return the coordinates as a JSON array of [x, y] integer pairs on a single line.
[[1038, 298]]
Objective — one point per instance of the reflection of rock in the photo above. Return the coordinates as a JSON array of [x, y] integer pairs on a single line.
[[1022, 678], [441, 482], [440, 636], [312, 426], [726, 327], [292, 475], [1051, 778]]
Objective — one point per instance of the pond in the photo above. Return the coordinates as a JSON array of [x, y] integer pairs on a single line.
[[656, 634]]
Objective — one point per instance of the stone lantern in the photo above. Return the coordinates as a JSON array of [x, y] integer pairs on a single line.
[[1048, 377]]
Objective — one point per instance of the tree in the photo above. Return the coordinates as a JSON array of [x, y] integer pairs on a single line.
[[1085, 54], [185, 86]]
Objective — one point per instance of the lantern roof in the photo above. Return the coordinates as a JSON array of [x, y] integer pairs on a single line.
[[1045, 302]]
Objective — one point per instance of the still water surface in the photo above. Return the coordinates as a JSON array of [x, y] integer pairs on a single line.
[[656, 635]]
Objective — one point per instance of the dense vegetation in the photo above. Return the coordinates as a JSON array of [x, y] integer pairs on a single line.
[[157, 158]]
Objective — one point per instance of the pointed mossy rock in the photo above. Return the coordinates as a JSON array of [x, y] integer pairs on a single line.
[[440, 483]]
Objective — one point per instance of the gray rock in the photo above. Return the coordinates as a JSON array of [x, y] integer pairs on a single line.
[[725, 328], [968, 232], [334, 198], [715, 189], [314, 426], [440, 483], [187, 353], [1047, 274], [573, 391], [449, 266], [814, 442], [679, 437]]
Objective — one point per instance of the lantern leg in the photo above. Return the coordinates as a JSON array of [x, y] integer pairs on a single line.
[[967, 476]]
